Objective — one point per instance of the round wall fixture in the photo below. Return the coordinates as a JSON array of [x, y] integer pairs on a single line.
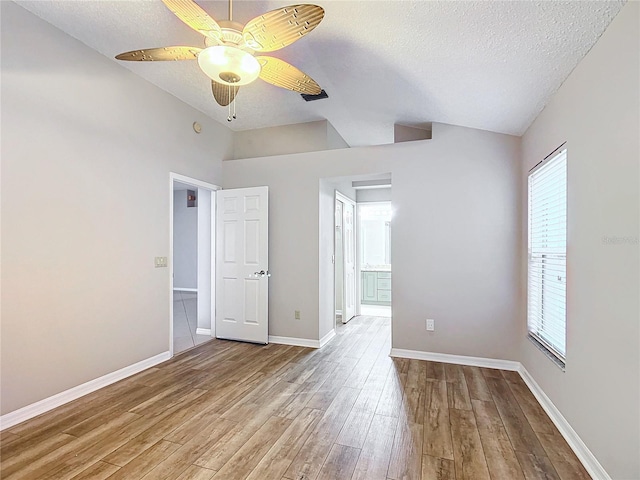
[[197, 127]]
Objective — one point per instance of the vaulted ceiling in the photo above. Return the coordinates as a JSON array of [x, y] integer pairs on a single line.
[[490, 65]]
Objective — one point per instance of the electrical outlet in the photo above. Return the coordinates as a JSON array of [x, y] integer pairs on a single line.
[[297, 314], [431, 324]]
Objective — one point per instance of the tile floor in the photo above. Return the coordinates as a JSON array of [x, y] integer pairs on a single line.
[[185, 322], [375, 310]]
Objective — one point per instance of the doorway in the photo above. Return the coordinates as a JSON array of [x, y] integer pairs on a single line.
[[374, 226], [337, 197], [192, 247], [345, 258]]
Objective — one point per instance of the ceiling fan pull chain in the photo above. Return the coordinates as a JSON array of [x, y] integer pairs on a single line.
[[234, 108], [229, 104]]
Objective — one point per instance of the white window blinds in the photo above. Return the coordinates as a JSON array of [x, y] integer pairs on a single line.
[[547, 272]]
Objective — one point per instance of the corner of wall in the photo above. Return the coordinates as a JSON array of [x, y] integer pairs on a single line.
[[334, 139]]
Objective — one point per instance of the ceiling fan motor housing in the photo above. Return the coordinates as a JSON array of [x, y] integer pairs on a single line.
[[231, 34]]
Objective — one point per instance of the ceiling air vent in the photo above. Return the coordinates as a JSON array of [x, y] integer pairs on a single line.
[[309, 98]]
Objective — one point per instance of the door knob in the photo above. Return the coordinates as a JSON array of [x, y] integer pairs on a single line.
[[262, 273]]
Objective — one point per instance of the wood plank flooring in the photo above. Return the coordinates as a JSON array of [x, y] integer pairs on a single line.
[[232, 411]]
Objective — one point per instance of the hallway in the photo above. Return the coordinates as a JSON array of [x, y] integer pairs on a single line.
[[185, 322]]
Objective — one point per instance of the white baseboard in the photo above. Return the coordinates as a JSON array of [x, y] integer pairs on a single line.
[[583, 453], [303, 342], [324, 340], [25, 413], [457, 359], [203, 331], [178, 289], [297, 342]]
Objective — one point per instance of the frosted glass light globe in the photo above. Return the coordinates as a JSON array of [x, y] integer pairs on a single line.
[[229, 65]]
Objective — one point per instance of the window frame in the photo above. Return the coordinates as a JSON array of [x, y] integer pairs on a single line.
[[536, 272]]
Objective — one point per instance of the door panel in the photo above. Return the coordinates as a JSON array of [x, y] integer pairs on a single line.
[[369, 288], [349, 259], [242, 251]]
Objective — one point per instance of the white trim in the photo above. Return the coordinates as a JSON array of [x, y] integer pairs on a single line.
[[205, 261], [583, 453], [179, 289], [214, 263], [341, 197], [457, 359], [303, 342], [192, 181], [297, 342], [196, 183], [171, 201], [25, 413], [203, 331], [324, 340]]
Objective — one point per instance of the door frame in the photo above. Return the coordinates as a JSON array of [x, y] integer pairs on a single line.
[[335, 263], [340, 197], [194, 182]]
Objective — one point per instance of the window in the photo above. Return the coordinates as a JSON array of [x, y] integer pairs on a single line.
[[547, 272]]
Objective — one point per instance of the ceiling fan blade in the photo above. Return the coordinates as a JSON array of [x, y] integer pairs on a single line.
[[224, 94], [194, 16], [281, 74], [161, 54], [279, 28]]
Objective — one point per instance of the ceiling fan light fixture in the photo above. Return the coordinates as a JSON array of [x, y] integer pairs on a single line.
[[229, 65]]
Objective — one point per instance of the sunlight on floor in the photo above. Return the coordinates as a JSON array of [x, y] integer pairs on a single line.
[[375, 310]]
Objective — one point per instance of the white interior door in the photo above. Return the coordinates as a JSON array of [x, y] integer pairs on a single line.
[[348, 239], [242, 286]]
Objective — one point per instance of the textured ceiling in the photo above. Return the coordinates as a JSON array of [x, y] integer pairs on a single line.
[[490, 65]]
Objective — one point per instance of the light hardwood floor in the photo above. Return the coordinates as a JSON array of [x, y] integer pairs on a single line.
[[227, 410]]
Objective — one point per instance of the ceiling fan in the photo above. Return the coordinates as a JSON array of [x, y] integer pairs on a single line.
[[228, 55]]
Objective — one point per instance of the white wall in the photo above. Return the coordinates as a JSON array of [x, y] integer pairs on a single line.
[[404, 133], [334, 139], [456, 238], [596, 111], [185, 242], [82, 137], [287, 139], [373, 195]]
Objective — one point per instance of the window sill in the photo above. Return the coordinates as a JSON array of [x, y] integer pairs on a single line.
[[540, 346]]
